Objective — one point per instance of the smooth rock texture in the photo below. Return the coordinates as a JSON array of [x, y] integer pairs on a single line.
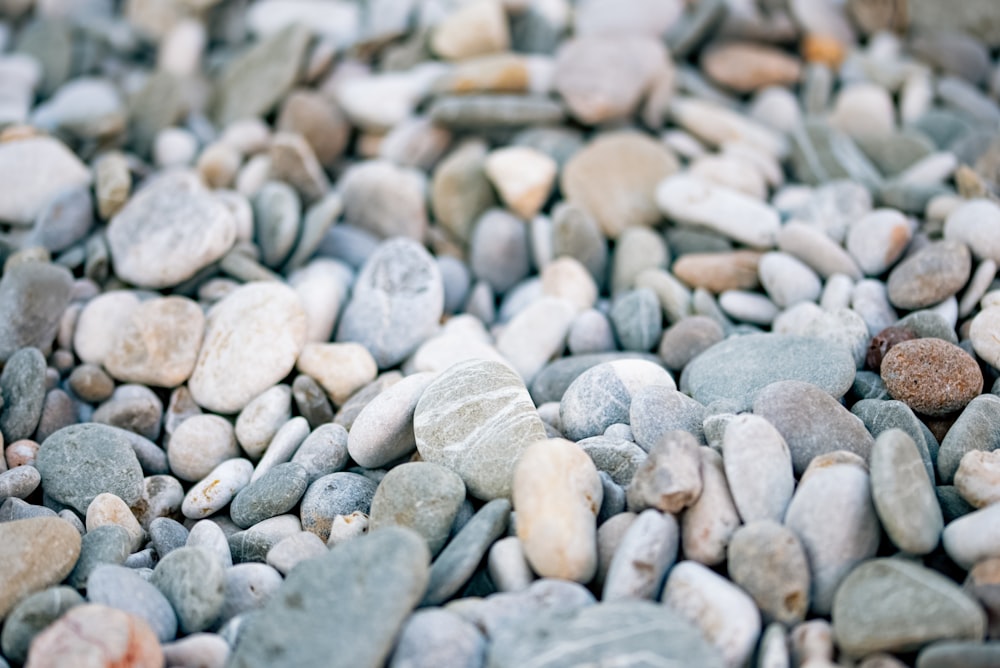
[[556, 494], [767, 560], [22, 384], [476, 418], [123, 588], [973, 537], [34, 171], [32, 615], [420, 496], [930, 275], [95, 635], [931, 376], [975, 429], [371, 586], [758, 467], [192, 581], [670, 479], [252, 340], [39, 552], [33, 296]]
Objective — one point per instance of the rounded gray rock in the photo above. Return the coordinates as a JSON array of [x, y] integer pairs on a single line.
[[929, 276], [421, 496], [323, 452], [123, 588], [657, 409], [194, 583], [438, 637], [645, 554], [670, 478], [383, 430], [758, 468], [637, 319], [32, 615], [248, 587], [767, 560], [33, 296], [903, 494], [498, 250], [619, 458], [274, 493], [335, 494], [977, 428], [688, 338], [81, 461], [22, 384], [105, 544]]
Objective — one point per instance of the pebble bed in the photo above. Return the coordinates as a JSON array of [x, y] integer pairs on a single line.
[[500, 333]]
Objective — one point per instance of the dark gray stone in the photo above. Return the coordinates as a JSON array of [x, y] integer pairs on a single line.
[[274, 493], [192, 579], [167, 535], [123, 588], [33, 296], [106, 544], [576, 234], [64, 221], [369, 586], [977, 428], [880, 415], [619, 458], [23, 386], [323, 452], [498, 250], [81, 461], [58, 410], [31, 616], [335, 494], [254, 543]]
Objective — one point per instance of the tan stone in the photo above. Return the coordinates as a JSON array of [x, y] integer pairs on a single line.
[[978, 477], [340, 368], [107, 508], [476, 28], [523, 177], [718, 272], [746, 67], [36, 553]]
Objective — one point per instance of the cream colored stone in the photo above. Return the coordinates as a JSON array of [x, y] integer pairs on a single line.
[[107, 508], [340, 368], [523, 177]]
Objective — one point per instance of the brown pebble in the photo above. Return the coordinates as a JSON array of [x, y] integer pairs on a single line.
[[935, 272], [718, 272], [746, 67], [21, 453], [823, 49], [688, 338], [931, 376], [96, 636], [91, 383], [882, 342]]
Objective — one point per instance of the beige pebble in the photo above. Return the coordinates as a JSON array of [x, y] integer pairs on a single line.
[[199, 444], [107, 508], [340, 368], [978, 477]]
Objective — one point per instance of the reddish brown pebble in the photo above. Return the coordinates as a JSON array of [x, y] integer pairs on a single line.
[[746, 67], [931, 376], [882, 342], [96, 636], [21, 453]]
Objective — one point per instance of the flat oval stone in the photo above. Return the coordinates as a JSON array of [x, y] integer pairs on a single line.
[[22, 384], [168, 231], [832, 514], [158, 344], [437, 491], [688, 338], [977, 428], [274, 493], [477, 418], [370, 586], [396, 304], [193, 581], [978, 478], [200, 444], [123, 588], [893, 605], [787, 280], [252, 340], [33, 297], [931, 376], [324, 451], [637, 319], [32, 615], [215, 491], [981, 333], [749, 66], [383, 430], [557, 494], [261, 419], [767, 560], [971, 654], [739, 367], [38, 553], [758, 467], [880, 415], [646, 552], [602, 396], [81, 461], [805, 416], [903, 494], [930, 275]]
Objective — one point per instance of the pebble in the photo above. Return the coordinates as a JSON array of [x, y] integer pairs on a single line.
[[275, 492], [93, 635], [209, 536], [193, 582], [132, 408], [976, 478], [23, 388], [557, 493], [930, 275], [371, 586], [437, 491], [567, 278], [894, 605], [708, 524], [981, 334], [498, 421], [399, 192], [167, 535], [438, 637], [903, 495], [324, 451], [975, 224], [216, 490], [637, 320], [282, 446], [658, 409], [973, 537], [199, 445], [788, 280], [786, 403], [474, 30], [32, 615], [739, 367], [671, 477], [523, 178], [718, 272], [767, 560], [758, 466], [954, 653], [614, 178], [619, 458], [249, 587], [397, 302], [461, 556], [261, 419], [508, 567], [293, 550], [723, 612], [688, 338], [498, 252], [79, 462], [585, 409], [269, 324], [647, 550], [109, 509], [123, 588], [36, 170], [33, 296], [832, 514], [39, 553], [880, 415], [206, 650], [913, 372], [333, 495], [746, 67]]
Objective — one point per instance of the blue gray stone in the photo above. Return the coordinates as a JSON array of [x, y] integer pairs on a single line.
[[438, 637], [31, 616], [656, 410], [436, 491], [323, 452], [23, 386], [105, 544], [637, 319], [33, 296], [193, 581], [498, 250], [977, 428], [882, 415], [167, 535], [335, 494], [274, 493], [248, 587], [619, 458], [123, 588]]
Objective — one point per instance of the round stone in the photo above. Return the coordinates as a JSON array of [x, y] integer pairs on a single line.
[[261, 419], [35, 170], [670, 478], [637, 319], [931, 275], [193, 581], [976, 223], [758, 468], [658, 409], [168, 231], [252, 339], [931, 376], [216, 490], [977, 428], [124, 589], [477, 418], [333, 495], [81, 461], [199, 444], [437, 492], [688, 338], [274, 493], [32, 615], [33, 297], [385, 199], [978, 478]]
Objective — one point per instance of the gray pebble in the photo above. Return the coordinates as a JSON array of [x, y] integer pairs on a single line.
[[576, 234], [261, 419], [143, 560], [614, 499], [312, 401], [619, 458], [670, 478], [135, 408], [973, 537], [294, 549], [930, 275], [508, 567], [767, 560], [81, 461], [248, 587], [688, 338], [323, 452], [551, 382], [644, 555], [209, 536], [332, 495], [437, 637], [975, 429], [590, 333], [167, 535], [64, 221], [16, 509], [805, 416], [351, 408], [656, 410], [122, 588], [498, 250], [58, 410], [349, 244], [437, 491], [869, 385], [546, 595], [457, 282], [105, 544], [456, 563], [970, 654], [903, 495], [198, 650], [758, 468], [282, 447], [277, 211], [33, 296], [19, 481], [637, 319], [708, 523], [620, 431], [194, 583], [881, 415], [31, 616], [383, 430], [274, 493], [23, 386]]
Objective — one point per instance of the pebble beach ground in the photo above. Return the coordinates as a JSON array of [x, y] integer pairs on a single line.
[[500, 333]]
